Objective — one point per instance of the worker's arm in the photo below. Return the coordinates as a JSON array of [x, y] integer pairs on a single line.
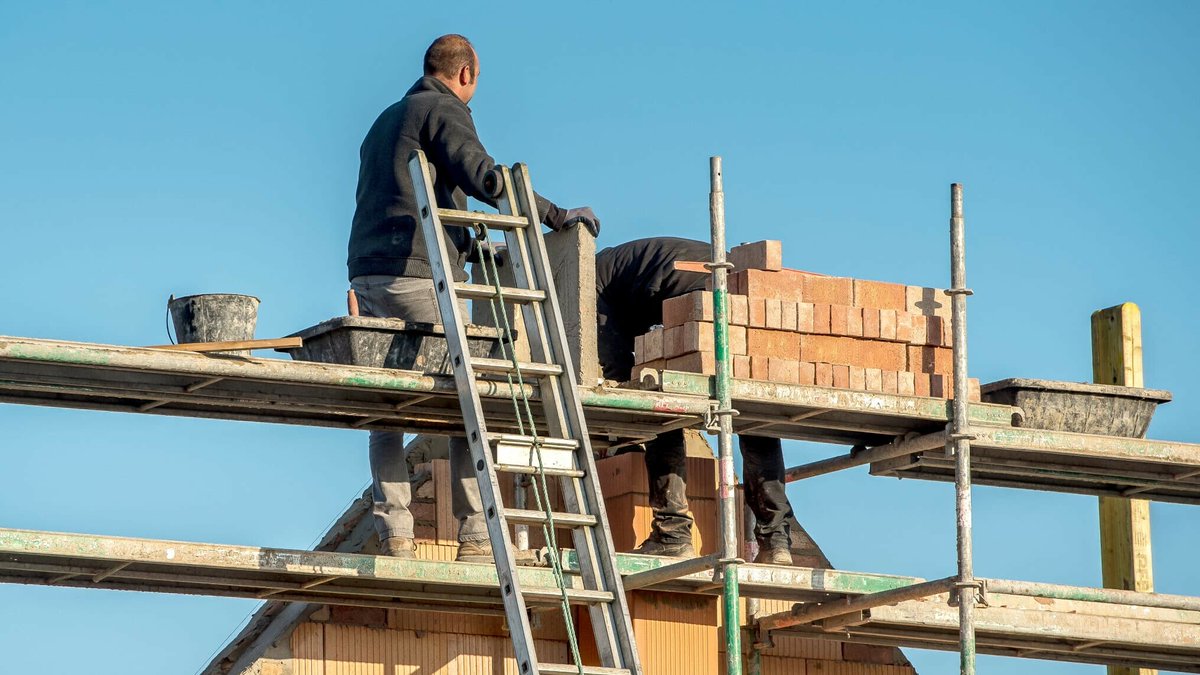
[[456, 147]]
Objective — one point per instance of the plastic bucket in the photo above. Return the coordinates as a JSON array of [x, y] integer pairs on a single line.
[[214, 317]]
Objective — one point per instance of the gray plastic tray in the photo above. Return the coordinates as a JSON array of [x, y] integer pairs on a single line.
[[388, 343], [1101, 409]]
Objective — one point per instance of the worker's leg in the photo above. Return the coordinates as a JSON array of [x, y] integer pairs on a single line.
[[763, 475], [466, 500], [666, 466], [411, 299]]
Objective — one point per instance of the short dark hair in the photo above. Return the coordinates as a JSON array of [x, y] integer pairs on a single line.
[[448, 55]]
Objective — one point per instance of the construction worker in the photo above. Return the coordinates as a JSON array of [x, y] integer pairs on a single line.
[[632, 280], [389, 266]]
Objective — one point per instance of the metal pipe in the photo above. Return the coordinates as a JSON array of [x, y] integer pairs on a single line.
[[867, 456], [808, 613], [1085, 594], [727, 485], [960, 434], [670, 572]]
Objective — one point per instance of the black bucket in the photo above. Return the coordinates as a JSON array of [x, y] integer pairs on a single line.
[[214, 317]]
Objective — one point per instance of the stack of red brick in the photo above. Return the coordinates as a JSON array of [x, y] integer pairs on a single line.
[[803, 328]]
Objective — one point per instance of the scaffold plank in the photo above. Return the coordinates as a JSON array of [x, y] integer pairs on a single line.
[[1031, 620], [1060, 461]]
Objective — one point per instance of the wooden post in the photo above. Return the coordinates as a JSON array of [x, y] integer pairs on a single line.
[[1124, 523]]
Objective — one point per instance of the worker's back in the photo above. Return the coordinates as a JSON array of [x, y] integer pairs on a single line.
[[633, 278]]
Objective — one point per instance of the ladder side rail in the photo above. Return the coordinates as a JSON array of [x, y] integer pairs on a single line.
[[612, 649], [574, 408], [476, 431]]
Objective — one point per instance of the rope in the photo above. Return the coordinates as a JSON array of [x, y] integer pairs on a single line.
[[541, 490]]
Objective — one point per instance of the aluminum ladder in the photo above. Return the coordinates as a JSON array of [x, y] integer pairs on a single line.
[[561, 449]]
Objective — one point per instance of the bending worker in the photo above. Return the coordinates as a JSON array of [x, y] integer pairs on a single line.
[[389, 265], [632, 280]]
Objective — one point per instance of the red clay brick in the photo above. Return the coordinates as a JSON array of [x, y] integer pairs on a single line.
[[891, 382], [693, 336], [739, 310], [973, 393], [781, 285], [652, 345], [695, 306], [903, 327], [927, 301], [696, 362], [737, 340], [828, 290], [789, 319], [870, 323], [758, 367], [841, 376], [783, 370], [907, 383], [921, 384], [822, 319], [874, 379], [773, 314], [741, 367], [887, 324], [639, 349], [777, 343], [858, 378], [918, 325], [839, 319], [947, 332], [941, 386], [879, 295], [805, 317], [824, 374], [930, 359], [758, 312], [854, 321], [758, 255], [852, 352], [808, 373], [934, 331]]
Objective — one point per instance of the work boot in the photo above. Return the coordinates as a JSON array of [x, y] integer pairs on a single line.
[[475, 552], [398, 547], [777, 555], [653, 546]]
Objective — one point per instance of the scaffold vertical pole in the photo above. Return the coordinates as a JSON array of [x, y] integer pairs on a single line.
[[727, 483], [960, 434]]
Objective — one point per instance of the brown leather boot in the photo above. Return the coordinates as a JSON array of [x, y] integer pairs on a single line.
[[475, 552], [398, 547], [653, 546], [774, 556]]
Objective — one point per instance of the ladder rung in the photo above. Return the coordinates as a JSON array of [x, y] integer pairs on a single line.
[[531, 517], [502, 366], [568, 669], [497, 220], [549, 471], [485, 292], [575, 596]]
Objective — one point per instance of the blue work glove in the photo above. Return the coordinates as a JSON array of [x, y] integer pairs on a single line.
[[560, 219]]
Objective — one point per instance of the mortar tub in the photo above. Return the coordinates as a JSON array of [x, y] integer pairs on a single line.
[[214, 317], [1101, 409], [389, 343]]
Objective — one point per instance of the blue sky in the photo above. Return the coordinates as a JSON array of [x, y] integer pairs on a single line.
[[150, 149]]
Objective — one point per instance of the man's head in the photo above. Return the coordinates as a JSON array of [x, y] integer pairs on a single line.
[[452, 59]]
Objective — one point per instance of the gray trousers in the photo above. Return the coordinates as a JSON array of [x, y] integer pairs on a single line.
[[413, 299]]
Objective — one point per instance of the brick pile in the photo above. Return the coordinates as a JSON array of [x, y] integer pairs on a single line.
[[799, 327]]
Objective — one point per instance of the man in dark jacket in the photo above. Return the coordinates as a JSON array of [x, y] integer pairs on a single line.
[[632, 280], [389, 264]]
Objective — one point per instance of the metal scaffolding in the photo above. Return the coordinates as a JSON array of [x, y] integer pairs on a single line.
[[896, 435]]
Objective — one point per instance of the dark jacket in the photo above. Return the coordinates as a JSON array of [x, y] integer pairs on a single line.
[[386, 235], [632, 280]]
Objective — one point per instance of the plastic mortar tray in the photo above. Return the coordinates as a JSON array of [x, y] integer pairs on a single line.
[[1102, 409], [388, 343]]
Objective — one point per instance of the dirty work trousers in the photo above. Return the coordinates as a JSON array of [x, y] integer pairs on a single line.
[[412, 299], [763, 477]]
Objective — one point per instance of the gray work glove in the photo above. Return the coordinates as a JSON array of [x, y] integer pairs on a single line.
[[560, 219]]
